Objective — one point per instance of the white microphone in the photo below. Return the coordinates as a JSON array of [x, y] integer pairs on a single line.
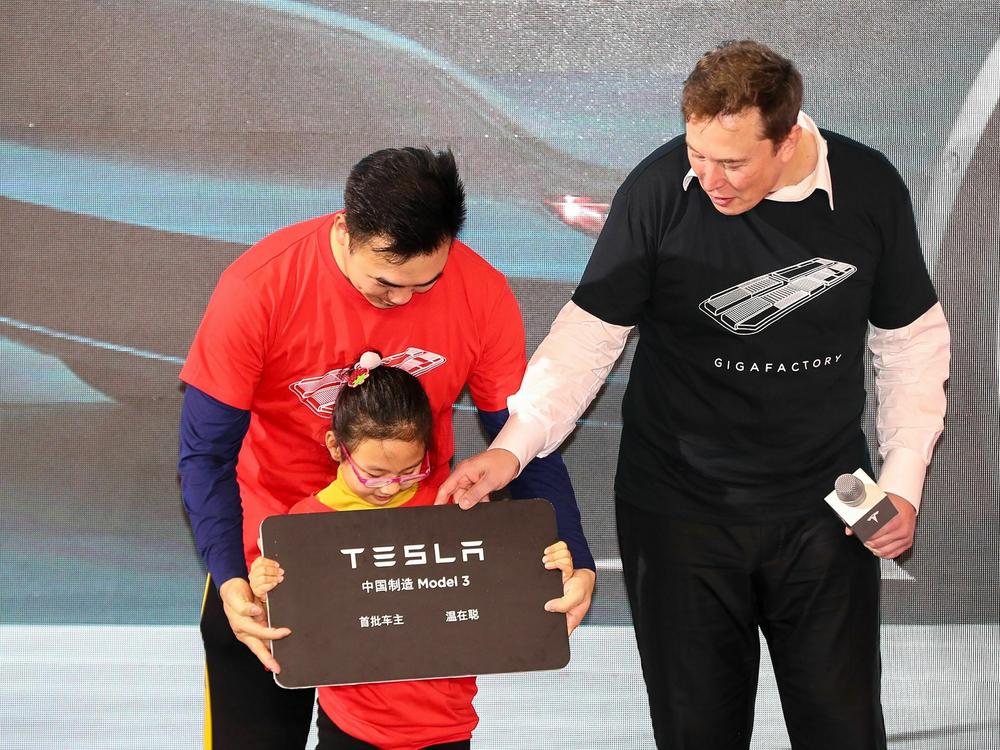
[[861, 504]]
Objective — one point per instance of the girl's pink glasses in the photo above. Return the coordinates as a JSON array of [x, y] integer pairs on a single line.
[[376, 482]]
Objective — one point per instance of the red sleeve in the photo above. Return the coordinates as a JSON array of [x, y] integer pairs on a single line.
[[227, 355], [426, 493], [310, 504], [498, 371]]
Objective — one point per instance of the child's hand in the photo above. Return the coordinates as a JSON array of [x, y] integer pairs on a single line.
[[558, 556], [578, 585], [265, 574]]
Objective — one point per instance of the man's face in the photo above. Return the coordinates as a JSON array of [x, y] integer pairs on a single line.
[[735, 164], [386, 284]]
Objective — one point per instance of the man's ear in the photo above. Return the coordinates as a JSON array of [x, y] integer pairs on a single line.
[[787, 147], [339, 233], [333, 446]]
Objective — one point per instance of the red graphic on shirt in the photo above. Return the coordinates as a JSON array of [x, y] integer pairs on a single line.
[[320, 393]]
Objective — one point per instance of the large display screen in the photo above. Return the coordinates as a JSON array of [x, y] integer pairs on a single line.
[[144, 145]]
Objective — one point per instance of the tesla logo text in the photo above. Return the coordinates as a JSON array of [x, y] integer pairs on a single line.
[[418, 554]]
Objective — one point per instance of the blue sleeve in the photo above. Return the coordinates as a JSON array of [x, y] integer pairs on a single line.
[[548, 478], [211, 434]]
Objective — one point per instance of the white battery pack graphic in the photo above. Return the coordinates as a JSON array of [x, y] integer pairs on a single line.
[[751, 306], [320, 393]]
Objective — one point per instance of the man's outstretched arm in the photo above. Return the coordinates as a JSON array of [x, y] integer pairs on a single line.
[[211, 434], [563, 377]]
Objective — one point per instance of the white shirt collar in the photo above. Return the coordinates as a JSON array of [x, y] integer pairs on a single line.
[[818, 179]]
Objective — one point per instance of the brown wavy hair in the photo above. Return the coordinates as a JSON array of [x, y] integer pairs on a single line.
[[739, 75]]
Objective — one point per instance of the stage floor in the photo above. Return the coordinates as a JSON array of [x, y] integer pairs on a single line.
[[111, 687]]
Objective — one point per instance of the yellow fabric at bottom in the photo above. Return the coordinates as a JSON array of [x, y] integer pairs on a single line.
[[208, 698], [338, 496]]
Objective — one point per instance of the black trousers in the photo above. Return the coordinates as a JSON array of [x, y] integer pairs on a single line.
[[332, 737], [244, 708], [699, 593]]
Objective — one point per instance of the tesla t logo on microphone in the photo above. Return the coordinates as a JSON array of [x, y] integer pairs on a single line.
[[861, 504]]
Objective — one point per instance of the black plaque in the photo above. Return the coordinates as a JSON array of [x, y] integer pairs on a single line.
[[415, 593]]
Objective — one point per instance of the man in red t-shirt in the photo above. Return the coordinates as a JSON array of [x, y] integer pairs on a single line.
[[284, 323]]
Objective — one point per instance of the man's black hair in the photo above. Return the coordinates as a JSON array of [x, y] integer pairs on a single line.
[[390, 404], [412, 198]]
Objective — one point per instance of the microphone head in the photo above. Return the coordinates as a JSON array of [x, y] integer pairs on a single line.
[[850, 490]]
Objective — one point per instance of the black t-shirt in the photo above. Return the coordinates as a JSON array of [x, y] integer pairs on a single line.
[[747, 387]]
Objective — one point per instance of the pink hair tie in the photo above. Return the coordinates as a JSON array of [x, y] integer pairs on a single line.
[[359, 373]]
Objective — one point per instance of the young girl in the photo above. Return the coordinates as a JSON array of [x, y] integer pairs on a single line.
[[380, 436]]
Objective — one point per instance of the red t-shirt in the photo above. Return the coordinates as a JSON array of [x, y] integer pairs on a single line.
[[404, 715], [283, 325]]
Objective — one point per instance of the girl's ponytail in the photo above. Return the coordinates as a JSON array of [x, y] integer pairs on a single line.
[[381, 403]]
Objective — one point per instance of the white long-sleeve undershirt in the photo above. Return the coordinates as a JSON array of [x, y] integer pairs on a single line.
[[573, 361]]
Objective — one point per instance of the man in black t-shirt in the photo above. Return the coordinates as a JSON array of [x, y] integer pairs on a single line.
[[752, 254]]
